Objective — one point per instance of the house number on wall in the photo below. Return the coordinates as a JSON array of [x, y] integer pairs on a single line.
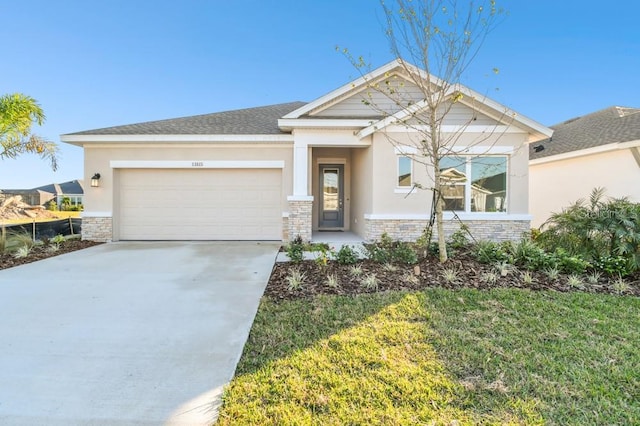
[[197, 164]]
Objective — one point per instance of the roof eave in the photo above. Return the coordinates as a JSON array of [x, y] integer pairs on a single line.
[[617, 146], [81, 140]]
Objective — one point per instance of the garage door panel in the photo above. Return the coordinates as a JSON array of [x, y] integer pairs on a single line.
[[165, 204]]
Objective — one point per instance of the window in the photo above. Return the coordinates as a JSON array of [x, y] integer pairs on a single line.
[[405, 172], [485, 192]]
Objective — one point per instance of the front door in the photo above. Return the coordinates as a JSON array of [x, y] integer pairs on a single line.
[[331, 196]]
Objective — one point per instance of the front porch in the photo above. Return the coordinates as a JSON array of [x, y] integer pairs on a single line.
[[333, 195]]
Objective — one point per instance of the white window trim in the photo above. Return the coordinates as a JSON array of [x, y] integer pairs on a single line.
[[467, 185], [403, 189]]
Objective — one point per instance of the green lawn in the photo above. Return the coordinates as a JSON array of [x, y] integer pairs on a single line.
[[439, 356]]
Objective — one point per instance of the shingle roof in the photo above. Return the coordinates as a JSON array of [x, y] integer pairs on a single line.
[[611, 125], [249, 121]]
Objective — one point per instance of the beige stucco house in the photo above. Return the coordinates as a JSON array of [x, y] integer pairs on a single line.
[[601, 149], [275, 172]]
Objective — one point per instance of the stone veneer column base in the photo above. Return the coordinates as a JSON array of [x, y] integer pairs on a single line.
[[97, 229], [299, 221], [285, 228], [410, 230]]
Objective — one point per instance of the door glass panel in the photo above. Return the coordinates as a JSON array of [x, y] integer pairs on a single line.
[[330, 189]]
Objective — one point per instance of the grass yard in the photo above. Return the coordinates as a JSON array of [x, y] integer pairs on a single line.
[[504, 356]]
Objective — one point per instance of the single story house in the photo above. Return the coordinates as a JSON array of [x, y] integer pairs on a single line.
[[43, 195], [601, 149], [279, 171]]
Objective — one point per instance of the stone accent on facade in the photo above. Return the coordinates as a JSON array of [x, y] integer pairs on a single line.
[[97, 229], [410, 230], [299, 221], [285, 228]]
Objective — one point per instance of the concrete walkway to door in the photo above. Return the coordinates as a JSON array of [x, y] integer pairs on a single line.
[[127, 333]]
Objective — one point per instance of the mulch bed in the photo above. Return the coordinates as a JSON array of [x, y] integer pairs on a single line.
[[430, 274], [41, 252]]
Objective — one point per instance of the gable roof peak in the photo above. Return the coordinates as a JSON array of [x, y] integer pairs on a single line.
[[625, 111]]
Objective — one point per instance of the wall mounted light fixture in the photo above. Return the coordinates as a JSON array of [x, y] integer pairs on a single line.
[[95, 180]]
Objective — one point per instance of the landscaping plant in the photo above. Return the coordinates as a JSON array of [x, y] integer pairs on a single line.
[[597, 230]]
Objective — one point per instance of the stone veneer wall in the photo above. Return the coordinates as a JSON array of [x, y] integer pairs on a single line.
[[299, 222], [97, 228], [285, 229], [410, 230]]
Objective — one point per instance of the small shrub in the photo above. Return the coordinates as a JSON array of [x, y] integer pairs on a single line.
[[22, 252], [370, 282], [527, 278], [612, 265], [552, 273], [570, 264], [504, 268], [594, 277], [459, 238], [387, 251], [52, 248], [450, 275], [58, 239], [296, 279], [332, 281], [295, 250], [620, 286], [574, 281], [322, 256], [489, 277], [346, 256], [490, 252], [356, 270], [390, 267], [527, 253], [18, 240], [404, 253]]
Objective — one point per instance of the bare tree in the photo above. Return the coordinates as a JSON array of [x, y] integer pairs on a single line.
[[434, 41]]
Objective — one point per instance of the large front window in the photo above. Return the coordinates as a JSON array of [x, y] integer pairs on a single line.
[[486, 191]]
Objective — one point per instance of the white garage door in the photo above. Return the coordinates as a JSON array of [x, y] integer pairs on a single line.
[[205, 204]]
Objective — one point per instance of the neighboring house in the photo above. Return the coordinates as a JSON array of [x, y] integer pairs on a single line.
[[601, 149], [275, 172], [42, 195]]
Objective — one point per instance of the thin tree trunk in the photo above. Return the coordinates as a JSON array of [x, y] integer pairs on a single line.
[[442, 242]]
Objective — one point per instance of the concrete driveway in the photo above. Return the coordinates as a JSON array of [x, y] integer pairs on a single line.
[[127, 333]]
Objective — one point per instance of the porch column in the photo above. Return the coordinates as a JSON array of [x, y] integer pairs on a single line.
[[301, 202]]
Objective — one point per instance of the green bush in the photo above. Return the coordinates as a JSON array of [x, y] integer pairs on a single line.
[[346, 256], [491, 252], [388, 251], [404, 253], [295, 250], [459, 238], [613, 265], [596, 229]]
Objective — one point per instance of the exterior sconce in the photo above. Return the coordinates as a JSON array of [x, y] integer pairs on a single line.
[[95, 180]]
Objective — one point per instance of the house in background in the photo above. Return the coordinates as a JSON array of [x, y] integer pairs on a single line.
[[42, 195], [279, 171], [601, 149]]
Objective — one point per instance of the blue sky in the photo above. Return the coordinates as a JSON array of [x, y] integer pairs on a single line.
[[96, 64]]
